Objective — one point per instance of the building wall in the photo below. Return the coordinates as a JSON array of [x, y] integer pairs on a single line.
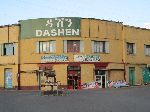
[[9, 34], [112, 34], [140, 37], [61, 73], [87, 73], [91, 29], [115, 75], [14, 75]]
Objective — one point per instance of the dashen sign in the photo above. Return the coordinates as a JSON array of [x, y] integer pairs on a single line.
[[54, 27]]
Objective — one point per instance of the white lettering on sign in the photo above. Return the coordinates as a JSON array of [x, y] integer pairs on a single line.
[[49, 23], [58, 27], [75, 32], [57, 32], [60, 32], [38, 33], [54, 58], [46, 33], [59, 22], [68, 31], [86, 58], [70, 22], [53, 32]]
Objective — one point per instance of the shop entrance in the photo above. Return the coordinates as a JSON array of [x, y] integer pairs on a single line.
[[100, 78], [131, 76], [146, 75], [74, 77], [8, 78]]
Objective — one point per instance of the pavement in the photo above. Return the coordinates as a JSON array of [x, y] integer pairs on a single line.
[[130, 99]]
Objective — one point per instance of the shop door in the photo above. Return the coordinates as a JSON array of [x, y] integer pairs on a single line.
[[100, 78], [74, 77], [146, 75], [8, 78], [132, 76]]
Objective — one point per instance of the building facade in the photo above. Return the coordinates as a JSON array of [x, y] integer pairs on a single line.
[[79, 50]]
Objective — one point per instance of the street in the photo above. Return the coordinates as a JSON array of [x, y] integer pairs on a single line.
[[132, 99]]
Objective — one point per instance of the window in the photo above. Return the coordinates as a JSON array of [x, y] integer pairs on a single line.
[[73, 46], [147, 50], [46, 46], [100, 47], [131, 48], [7, 49]]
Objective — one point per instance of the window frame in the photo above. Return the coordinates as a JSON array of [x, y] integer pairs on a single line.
[[73, 46], [5, 51], [147, 50], [80, 46], [50, 47], [100, 46], [133, 49]]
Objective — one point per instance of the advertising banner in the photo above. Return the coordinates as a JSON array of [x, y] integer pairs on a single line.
[[54, 58], [50, 27], [86, 58]]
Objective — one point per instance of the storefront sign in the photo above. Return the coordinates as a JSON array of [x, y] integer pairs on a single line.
[[61, 26], [86, 58], [54, 58]]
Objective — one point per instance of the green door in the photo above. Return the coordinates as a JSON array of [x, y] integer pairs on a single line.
[[146, 75], [131, 76]]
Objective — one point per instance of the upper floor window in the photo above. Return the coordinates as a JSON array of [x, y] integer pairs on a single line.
[[147, 50], [7, 49], [73, 46], [46, 46], [100, 47], [131, 48]]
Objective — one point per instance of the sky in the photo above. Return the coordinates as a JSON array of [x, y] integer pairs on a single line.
[[130, 12]]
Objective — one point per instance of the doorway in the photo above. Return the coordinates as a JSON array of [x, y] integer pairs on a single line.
[[131, 76], [8, 78], [146, 75], [100, 78], [74, 77]]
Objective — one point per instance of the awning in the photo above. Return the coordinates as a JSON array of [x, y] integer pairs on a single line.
[[100, 66]]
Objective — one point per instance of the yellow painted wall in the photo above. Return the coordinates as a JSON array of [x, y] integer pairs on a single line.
[[9, 61], [116, 75], [138, 73], [28, 79], [61, 73], [139, 37], [14, 74], [87, 73], [27, 76], [91, 29], [13, 38]]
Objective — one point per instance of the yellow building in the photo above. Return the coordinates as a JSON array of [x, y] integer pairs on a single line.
[[80, 50]]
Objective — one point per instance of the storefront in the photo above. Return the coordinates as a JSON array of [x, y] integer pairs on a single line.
[[81, 51]]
